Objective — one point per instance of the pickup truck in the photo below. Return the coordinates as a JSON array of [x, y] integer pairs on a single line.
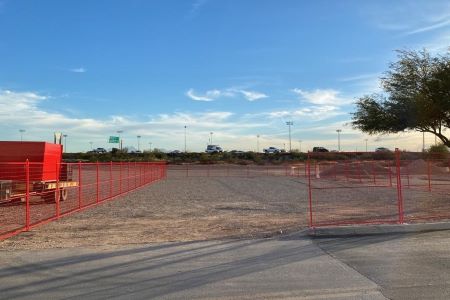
[[213, 149], [272, 150]]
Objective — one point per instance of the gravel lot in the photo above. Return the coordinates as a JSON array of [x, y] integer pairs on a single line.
[[180, 209], [204, 208]]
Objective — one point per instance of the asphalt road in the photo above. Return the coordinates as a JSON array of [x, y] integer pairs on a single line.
[[400, 266]]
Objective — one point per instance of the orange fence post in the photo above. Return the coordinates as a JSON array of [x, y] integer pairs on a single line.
[[57, 207], [98, 185], [310, 192], [120, 178], [110, 179], [79, 185], [399, 187], [135, 175], [374, 173], [407, 175], [27, 195], [140, 174], [390, 173], [128, 176]]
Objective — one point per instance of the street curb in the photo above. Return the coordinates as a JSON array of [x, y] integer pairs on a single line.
[[348, 231]]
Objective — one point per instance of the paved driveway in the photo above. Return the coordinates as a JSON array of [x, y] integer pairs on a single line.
[[413, 266]]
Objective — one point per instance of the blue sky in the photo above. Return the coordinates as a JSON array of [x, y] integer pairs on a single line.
[[234, 68]]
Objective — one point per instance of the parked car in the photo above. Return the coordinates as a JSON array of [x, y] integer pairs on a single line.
[[237, 152], [320, 149], [213, 149], [174, 152], [382, 149], [271, 150], [98, 150]]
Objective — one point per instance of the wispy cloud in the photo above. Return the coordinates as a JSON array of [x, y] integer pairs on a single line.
[[215, 94], [322, 97], [196, 7], [359, 77], [363, 83], [252, 96], [437, 25], [232, 131], [313, 113], [208, 96], [78, 70]]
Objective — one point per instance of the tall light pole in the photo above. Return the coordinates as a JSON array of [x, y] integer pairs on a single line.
[[366, 143], [210, 137], [185, 148], [90, 143], [300, 143], [423, 141], [120, 139], [150, 146], [257, 143], [139, 142], [65, 142], [339, 139], [290, 123], [21, 134]]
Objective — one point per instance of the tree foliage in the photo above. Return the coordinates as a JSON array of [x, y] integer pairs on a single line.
[[416, 96]]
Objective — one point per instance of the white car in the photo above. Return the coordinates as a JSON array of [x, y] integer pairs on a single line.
[[272, 150], [213, 149]]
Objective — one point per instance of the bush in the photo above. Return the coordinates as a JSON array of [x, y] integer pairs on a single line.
[[439, 151]]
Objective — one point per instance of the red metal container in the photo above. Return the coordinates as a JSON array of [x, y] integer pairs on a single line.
[[43, 159]]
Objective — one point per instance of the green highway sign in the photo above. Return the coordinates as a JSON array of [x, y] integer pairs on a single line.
[[114, 139]]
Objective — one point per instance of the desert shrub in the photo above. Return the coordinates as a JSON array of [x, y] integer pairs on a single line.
[[439, 151]]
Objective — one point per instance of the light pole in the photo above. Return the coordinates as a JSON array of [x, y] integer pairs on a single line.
[[300, 143], [139, 142], [290, 123], [366, 144], [21, 134], [120, 139], [257, 143], [423, 141], [65, 142], [90, 143], [210, 137], [150, 146], [339, 139], [185, 139]]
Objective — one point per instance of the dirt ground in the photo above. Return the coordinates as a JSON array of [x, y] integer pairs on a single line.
[[203, 208], [180, 209]]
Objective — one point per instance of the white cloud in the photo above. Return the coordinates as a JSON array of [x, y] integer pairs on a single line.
[[314, 113], [370, 76], [26, 110], [252, 96], [430, 27], [78, 70], [209, 96], [214, 94], [322, 97]]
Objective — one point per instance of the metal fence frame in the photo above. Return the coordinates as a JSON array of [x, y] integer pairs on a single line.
[[93, 184], [396, 181]]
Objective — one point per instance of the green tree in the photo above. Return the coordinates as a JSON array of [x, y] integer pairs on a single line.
[[416, 96]]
